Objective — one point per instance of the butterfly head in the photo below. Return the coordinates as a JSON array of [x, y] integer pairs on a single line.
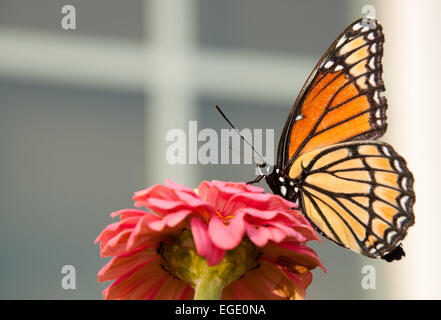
[[282, 185]]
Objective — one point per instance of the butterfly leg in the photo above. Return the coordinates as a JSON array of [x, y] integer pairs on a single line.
[[258, 178]]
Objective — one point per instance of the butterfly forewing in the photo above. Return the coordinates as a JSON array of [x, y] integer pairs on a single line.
[[358, 194], [341, 100]]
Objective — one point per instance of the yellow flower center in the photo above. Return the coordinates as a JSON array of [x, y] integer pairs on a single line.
[[224, 218]]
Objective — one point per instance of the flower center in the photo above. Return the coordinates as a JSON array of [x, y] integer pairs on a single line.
[[181, 260], [225, 218]]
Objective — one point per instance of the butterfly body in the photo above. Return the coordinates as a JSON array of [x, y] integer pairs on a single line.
[[356, 191]]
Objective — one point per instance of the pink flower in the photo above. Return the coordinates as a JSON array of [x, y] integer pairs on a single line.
[[216, 222]]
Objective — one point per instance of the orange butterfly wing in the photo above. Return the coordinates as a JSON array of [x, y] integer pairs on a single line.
[[356, 192], [341, 100]]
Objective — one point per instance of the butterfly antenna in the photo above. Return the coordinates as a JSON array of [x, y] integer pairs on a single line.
[[261, 165]]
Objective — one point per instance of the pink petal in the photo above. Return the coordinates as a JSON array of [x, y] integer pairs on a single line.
[[139, 283], [204, 246], [156, 191], [126, 213], [172, 289], [267, 214], [194, 202], [164, 206], [151, 294], [308, 255], [178, 187], [187, 294], [261, 235], [298, 254], [142, 234], [226, 236], [117, 245], [115, 228], [242, 291], [261, 201], [219, 192], [171, 220], [286, 222], [288, 232], [122, 265]]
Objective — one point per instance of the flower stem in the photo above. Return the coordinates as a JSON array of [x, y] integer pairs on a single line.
[[209, 288]]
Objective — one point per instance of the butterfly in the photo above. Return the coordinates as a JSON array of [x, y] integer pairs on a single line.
[[355, 191]]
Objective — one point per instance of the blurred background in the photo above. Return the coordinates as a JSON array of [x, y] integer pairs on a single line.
[[84, 114]]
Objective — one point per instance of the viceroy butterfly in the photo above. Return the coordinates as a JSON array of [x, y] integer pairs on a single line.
[[356, 192]]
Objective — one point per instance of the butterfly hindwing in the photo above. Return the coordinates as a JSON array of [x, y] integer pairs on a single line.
[[358, 194], [341, 100]]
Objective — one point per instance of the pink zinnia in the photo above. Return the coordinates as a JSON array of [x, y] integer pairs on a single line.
[[252, 242]]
